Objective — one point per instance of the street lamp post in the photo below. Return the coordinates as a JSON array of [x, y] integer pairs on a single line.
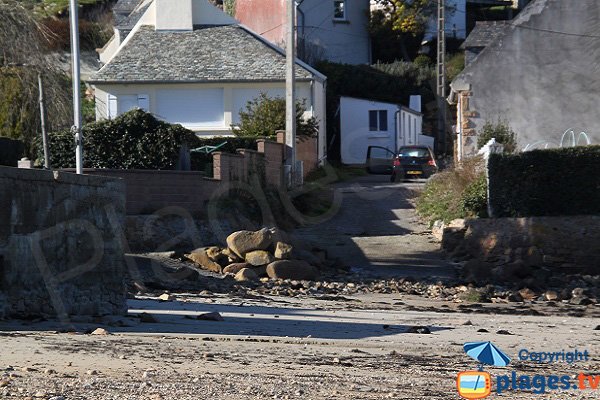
[[76, 128], [290, 87]]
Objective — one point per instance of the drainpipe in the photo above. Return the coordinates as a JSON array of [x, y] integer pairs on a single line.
[[397, 129]]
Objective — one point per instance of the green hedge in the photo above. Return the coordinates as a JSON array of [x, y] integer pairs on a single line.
[[134, 140], [11, 151], [546, 182]]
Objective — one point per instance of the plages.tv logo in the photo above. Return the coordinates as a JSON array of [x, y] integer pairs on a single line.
[[478, 384]]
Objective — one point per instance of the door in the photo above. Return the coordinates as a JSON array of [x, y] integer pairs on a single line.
[[379, 160]]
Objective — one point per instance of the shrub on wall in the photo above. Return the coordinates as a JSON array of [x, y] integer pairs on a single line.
[[11, 151], [265, 115], [458, 192], [546, 182], [134, 140], [500, 131]]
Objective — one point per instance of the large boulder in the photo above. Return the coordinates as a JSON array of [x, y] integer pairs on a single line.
[[243, 242], [216, 254], [292, 269], [201, 258], [235, 268], [283, 251], [259, 257], [246, 275]]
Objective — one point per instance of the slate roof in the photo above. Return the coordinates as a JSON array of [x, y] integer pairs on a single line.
[[206, 54], [485, 33]]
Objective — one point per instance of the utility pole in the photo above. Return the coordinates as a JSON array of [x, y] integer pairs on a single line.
[[43, 122], [76, 128], [441, 75], [290, 86]]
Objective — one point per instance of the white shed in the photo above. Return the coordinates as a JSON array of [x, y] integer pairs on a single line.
[[365, 123]]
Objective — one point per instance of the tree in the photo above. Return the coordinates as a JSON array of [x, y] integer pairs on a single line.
[[265, 115], [22, 58], [403, 22]]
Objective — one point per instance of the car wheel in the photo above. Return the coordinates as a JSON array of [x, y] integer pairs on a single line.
[[398, 177]]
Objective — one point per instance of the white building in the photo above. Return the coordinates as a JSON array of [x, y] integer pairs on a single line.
[[365, 123], [187, 62]]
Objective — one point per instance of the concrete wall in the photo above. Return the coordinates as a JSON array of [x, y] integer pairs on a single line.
[[60, 248], [541, 81], [148, 191]]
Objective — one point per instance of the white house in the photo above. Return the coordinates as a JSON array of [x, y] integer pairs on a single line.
[[187, 62], [365, 123]]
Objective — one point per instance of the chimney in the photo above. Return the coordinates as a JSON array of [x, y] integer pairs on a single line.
[[174, 15], [415, 103]]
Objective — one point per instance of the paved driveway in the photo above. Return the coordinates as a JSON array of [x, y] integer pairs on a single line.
[[377, 232]]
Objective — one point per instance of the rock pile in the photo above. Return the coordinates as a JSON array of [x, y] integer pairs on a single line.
[[250, 255]]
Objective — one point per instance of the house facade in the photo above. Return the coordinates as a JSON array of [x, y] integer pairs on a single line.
[[187, 62], [539, 76], [334, 30], [365, 123]]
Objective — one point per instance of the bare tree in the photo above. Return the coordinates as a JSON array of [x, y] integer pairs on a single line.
[[23, 56]]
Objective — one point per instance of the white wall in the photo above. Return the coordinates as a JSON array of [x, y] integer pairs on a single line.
[[208, 109], [410, 127], [356, 137]]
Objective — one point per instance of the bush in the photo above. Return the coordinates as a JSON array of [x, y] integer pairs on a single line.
[[501, 132], [474, 198], [546, 182], [455, 193], [265, 115], [134, 140], [11, 151], [92, 35]]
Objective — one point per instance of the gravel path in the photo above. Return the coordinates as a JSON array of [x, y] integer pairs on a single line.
[[377, 232]]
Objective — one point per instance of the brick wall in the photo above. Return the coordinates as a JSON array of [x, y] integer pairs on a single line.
[[267, 162], [148, 191], [306, 151]]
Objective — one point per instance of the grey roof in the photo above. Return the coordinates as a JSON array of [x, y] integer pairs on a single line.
[[485, 33], [206, 54]]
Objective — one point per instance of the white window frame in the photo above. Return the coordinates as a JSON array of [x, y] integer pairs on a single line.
[[379, 118]]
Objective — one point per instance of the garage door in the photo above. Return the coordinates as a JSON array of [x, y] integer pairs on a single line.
[[191, 108]]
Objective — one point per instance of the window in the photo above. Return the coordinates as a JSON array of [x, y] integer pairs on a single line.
[[378, 120], [122, 103], [339, 9]]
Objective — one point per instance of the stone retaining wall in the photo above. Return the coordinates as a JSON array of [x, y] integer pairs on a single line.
[[565, 244], [60, 246]]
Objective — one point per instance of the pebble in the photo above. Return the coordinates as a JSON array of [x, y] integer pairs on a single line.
[[166, 297], [213, 316]]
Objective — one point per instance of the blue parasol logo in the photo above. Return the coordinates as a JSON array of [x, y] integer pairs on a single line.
[[486, 353]]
